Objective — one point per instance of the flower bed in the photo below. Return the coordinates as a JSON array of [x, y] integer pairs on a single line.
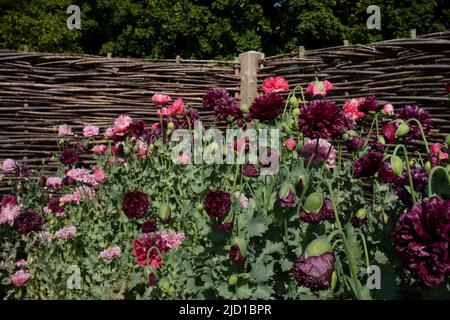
[[169, 210]]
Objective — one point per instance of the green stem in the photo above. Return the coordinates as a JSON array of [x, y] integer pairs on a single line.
[[424, 138], [351, 263], [430, 178], [408, 168], [366, 252]]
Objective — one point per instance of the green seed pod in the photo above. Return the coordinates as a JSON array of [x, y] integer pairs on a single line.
[[313, 203], [345, 137], [427, 166], [170, 126], [164, 211], [397, 165], [127, 150], [334, 280], [230, 119], [293, 101], [384, 219], [361, 213], [402, 130], [244, 107], [296, 112], [317, 247], [232, 280]]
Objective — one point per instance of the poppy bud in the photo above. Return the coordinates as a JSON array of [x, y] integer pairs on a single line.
[[293, 101], [242, 245], [381, 140], [334, 279], [230, 119], [296, 112], [402, 130], [313, 203], [427, 166], [384, 219], [170, 126], [244, 107], [164, 211], [397, 165], [232, 280], [317, 247], [361, 213], [127, 150]]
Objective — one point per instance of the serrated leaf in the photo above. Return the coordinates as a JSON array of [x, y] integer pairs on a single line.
[[257, 226], [262, 272], [286, 265], [224, 291], [354, 247], [243, 292], [380, 257], [263, 292]]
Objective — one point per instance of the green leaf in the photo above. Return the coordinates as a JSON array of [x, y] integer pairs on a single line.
[[243, 292], [262, 272]]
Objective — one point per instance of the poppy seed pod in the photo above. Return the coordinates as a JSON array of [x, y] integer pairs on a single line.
[[164, 211], [402, 130], [245, 107], [293, 101], [232, 280], [313, 203], [397, 165], [317, 247]]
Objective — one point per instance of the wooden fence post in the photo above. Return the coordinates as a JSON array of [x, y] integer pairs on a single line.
[[412, 33], [249, 75]]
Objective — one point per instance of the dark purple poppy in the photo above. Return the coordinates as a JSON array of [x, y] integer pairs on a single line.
[[355, 144], [421, 238], [389, 131], [135, 204], [288, 201], [423, 116], [68, 157], [324, 119], [250, 170], [370, 104], [400, 185], [315, 272], [368, 164], [266, 107], [386, 173], [235, 254], [217, 203], [149, 226], [27, 222]]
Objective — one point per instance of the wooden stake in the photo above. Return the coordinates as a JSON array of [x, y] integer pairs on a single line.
[[413, 33], [301, 52], [249, 71]]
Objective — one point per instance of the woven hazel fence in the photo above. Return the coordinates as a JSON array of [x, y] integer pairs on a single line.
[[39, 91]]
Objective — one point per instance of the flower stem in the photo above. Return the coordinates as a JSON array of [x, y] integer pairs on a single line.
[[351, 263], [408, 168]]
